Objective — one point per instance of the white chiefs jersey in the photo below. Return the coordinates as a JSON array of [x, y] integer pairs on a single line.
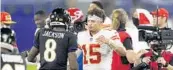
[[96, 56]]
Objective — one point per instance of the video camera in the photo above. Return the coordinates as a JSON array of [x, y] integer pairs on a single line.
[[163, 36], [158, 38]]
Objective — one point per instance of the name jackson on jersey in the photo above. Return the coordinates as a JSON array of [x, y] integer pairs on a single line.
[[53, 34]]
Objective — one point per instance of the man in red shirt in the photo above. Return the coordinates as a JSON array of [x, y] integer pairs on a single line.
[[165, 58]]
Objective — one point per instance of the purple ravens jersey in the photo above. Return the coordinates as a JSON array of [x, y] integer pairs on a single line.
[[54, 47]]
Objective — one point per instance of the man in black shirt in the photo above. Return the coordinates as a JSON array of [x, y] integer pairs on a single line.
[[56, 44], [39, 18]]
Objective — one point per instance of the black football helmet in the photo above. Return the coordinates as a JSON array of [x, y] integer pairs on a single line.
[[7, 38], [59, 18]]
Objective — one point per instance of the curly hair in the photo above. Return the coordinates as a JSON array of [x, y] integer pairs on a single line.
[[119, 17]]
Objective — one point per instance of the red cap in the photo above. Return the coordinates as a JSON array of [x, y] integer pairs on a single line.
[[161, 12], [6, 18]]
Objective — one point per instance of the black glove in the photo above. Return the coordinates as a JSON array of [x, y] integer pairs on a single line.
[[141, 66]]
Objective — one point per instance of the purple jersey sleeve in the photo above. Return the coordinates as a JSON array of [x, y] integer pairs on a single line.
[[72, 43], [36, 39]]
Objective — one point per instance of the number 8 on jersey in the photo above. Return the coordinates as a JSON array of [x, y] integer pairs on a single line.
[[49, 53]]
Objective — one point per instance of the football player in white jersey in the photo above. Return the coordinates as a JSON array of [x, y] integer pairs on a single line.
[[97, 44]]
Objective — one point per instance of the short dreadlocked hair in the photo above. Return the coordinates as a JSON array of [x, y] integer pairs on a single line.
[[40, 12]]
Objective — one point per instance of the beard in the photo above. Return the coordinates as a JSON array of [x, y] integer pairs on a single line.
[[41, 25]]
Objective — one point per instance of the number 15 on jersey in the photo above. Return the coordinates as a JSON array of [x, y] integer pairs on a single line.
[[91, 54]]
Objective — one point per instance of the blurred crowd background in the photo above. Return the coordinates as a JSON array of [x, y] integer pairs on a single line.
[[22, 11]]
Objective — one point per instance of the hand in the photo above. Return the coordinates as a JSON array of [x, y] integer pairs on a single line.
[[131, 56], [102, 40], [141, 52], [146, 60], [161, 60]]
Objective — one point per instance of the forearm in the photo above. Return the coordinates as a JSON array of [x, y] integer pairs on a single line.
[[131, 56], [118, 47], [170, 67], [73, 61], [32, 54]]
